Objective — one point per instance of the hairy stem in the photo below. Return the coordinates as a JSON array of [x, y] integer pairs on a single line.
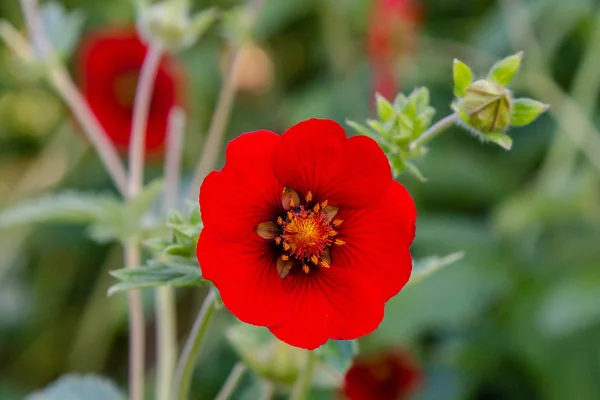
[[165, 311], [141, 109], [302, 386], [232, 381], [218, 123], [66, 89], [187, 361], [434, 131], [137, 339]]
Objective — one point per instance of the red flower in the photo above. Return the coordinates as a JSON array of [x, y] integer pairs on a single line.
[[392, 35], [109, 65], [306, 233], [390, 376]]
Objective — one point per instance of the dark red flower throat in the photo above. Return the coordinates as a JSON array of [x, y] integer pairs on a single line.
[[304, 234]]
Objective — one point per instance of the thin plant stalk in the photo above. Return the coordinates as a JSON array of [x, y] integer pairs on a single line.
[[187, 361], [302, 386], [141, 108], [232, 381], [166, 317], [66, 89], [137, 339], [218, 123], [434, 131]]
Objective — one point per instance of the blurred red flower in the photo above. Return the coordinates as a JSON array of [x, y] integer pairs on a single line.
[[109, 63], [306, 233], [389, 376], [392, 35]]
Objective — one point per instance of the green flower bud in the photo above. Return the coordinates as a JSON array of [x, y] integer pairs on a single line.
[[265, 355], [486, 106], [170, 24]]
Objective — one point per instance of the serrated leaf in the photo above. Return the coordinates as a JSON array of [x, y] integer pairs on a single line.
[[78, 387], [339, 354], [400, 102], [385, 110], [463, 77], [363, 130], [61, 27], [69, 207], [501, 139], [423, 268], [504, 71], [421, 98], [179, 250], [415, 171], [525, 111], [160, 273]]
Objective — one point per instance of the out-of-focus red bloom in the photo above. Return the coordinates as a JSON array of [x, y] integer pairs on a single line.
[[389, 376], [306, 233], [109, 63], [392, 35]]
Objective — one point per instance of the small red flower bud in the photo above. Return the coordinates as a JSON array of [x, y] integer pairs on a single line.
[[109, 63], [389, 376]]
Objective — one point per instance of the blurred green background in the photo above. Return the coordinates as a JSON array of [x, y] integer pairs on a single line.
[[517, 318]]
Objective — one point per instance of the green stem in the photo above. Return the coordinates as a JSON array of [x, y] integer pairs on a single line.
[[232, 381], [137, 339], [218, 123], [434, 131], [187, 361], [302, 386]]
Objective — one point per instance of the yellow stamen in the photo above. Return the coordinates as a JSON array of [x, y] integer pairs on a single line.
[[279, 221], [316, 208], [305, 268], [339, 242], [337, 222], [324, 204], [325, 264], [308, 197], [278, 240], [286, 246], [291, 203], [290, 215], [285, 257], [314, 259], [332, 233]]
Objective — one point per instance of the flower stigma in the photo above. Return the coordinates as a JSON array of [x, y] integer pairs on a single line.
[[304, 234]]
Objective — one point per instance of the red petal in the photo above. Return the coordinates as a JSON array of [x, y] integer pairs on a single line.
[[336, 303], [316, 156], [109, 54], [246, 275], [235, 201], [378, 240]]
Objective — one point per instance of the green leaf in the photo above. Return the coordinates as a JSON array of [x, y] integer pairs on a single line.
[[79, 387], [385, 110], [363, 130], [61, 27], [415, 171], [525, 111], [339, 354], [69, 207], [158, 273], [423, 268], [463, 77], [501, 139], [505, 70], [140, 205], [179, 250]]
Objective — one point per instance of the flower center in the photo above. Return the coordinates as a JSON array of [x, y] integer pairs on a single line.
[[304, 234], [124, 88]]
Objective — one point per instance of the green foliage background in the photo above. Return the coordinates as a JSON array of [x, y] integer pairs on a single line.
[[517, 318]]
